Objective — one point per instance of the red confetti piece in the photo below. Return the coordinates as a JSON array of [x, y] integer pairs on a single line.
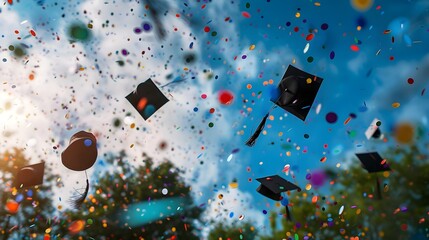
[[227, 19], [10, 2], [204, 6], [354, 48], [309, 37], [410, 81], [32, 32], [245, 14], [206, 29], [225, 97]]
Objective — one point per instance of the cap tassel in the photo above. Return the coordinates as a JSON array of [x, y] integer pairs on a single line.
[[252, 139], [288, 217], [378, 189], [78, 201]]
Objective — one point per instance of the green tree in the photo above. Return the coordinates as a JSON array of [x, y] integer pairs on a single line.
[[243, 231], [123, 186], [35, 211], [400, 214]]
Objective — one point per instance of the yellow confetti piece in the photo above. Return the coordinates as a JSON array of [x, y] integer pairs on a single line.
[[308, 187], [396, 105], [309, 80], [252, 47], [317, 4], [297, 15]]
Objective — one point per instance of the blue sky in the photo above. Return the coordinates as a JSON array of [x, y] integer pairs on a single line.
[[365, 83]]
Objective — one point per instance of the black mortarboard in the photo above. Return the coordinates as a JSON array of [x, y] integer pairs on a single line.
[[30, 175], [81, 152], [272, 187], [147, 98], [373, 131], [295, 93], [80, 155], [374, 163]]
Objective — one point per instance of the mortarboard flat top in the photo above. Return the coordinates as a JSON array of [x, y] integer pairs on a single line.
[[30, 175], [373, 162], [297, 91], [147, 98], [272, 186], [373, 130]]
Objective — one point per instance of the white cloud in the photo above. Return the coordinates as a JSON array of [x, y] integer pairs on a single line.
[[356, 64]]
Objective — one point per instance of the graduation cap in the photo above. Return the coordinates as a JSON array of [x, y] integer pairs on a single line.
[[31, 175], [374, 163], [80, 155], [147, 98], [295, 93], [272, 187], [373, 131]]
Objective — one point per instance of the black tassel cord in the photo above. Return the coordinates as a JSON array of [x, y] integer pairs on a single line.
[[78, 200], [288, 217], [378, 188], [252, 139]]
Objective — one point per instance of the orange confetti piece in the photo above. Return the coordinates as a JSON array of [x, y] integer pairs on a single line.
[[347, 120], [142, 104], [315, 199]]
